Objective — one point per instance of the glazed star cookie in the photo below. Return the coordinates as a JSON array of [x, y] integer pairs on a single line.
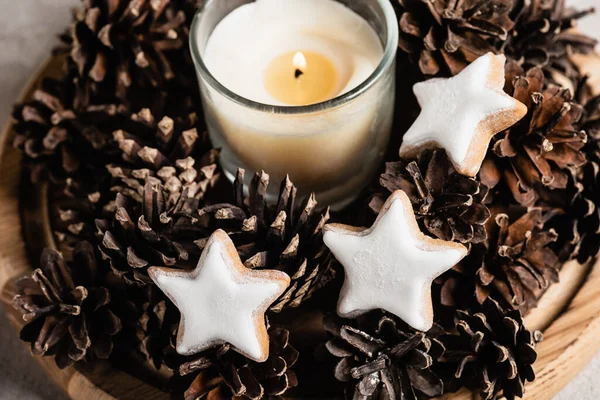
[[222, 301], [461, 114], [391, 265]]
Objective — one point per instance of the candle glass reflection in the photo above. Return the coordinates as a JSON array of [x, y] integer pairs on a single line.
[[333, 148]]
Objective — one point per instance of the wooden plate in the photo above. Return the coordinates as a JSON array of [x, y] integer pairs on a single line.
[[568, 314]]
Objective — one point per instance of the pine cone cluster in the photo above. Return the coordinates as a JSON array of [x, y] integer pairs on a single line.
[[66, 309], [444, 36], [491, 351], [536, 155], [133, 52], [285, 236], [516, 266], [224, 374], [448, 205], [380, 358], [544, 37]]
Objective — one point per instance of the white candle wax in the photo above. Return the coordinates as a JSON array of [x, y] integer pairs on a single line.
[[243, 45], [331, 151]]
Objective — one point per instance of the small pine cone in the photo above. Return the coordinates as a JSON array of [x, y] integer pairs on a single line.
[[515, 268], [152, 232], [381, 358], [134, 52], [538, 153], [281, 237], [544, 37], [58, 140], [491, 351], [223, 374], [168, 150], [67, 311], [445, 36], [447, 204]]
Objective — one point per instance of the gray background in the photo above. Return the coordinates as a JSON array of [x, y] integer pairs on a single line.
[[27, 34]]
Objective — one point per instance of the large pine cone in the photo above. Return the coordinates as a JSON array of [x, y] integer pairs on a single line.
[[283, 237], [56, 139], [539, 152], [222, 374], [447, 204], [516, 266], [491, 352], [381, 358], [134, 52], [68, 312], [543, 36], [445, 36]]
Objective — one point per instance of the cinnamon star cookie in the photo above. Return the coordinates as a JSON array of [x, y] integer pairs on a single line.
[[461, 114]]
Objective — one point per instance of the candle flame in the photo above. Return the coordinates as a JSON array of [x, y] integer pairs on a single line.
[[299, 61]]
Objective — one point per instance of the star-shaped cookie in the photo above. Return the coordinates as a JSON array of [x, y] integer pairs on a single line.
[[222, 301], [461, 114], [391, 265]]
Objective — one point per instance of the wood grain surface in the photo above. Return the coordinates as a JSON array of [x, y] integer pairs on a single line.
[[568, 314]]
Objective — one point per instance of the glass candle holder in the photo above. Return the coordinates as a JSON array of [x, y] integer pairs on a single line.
[[333, 148]]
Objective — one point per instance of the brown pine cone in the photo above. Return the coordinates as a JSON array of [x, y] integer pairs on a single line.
[[381, 358], [172, 151], [223, 374], [515, 268], [58, 140], [538, 153], [543, 36], [283, 237], [156, 325], [491, 351], [151, 233], [158, 186], [68, 312], [447, 204], [584, 211], [134, 52], [445, 36]]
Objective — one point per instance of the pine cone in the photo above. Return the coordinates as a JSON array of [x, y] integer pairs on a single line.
[[516, 266], [445, 36], [584, 211], [58, 140], [543, 37], [151, 233], [491, 351], [134, 52], [447, 204], [382, 359], [224, 374], [170, 150], [539, 152], [281, 237], [156, 326], [67, 312]]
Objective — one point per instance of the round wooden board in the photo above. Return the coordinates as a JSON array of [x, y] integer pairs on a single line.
[[568, 314]]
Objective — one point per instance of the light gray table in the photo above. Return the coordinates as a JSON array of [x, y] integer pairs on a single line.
[[27, 29]]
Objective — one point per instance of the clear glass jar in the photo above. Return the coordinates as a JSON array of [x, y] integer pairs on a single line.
[[333, 148]]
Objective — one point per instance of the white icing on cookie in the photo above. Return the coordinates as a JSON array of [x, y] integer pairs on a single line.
[[391, 265], [221, 301], [461, 114]]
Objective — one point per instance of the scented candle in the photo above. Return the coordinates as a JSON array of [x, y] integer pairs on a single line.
[[299, 87]]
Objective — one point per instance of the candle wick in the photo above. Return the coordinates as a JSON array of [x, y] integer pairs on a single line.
[[298, 74]]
